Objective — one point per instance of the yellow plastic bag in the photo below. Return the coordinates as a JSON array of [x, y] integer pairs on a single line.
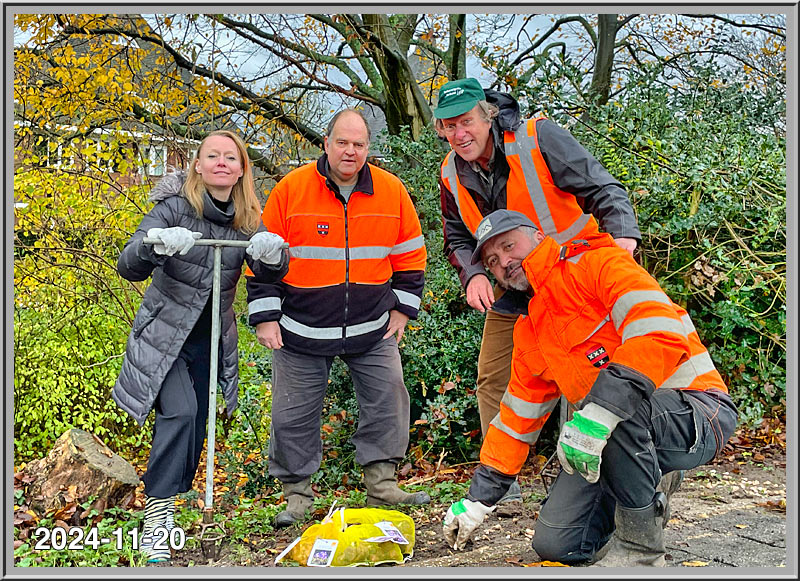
[[351, 529]]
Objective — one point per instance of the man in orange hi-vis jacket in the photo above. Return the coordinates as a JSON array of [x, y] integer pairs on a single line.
[[356, 273], [650, 403]]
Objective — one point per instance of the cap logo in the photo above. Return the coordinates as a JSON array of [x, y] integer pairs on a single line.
[[455, 91], [484, 229]]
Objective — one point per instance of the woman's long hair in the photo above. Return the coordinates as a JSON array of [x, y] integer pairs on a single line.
[[247, 210]]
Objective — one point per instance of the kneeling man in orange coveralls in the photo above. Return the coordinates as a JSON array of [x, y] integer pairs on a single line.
[[648, 401]]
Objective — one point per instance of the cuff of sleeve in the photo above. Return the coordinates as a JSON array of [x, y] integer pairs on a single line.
[[145, 252], [489, 485], [263, 317], [620, 390]]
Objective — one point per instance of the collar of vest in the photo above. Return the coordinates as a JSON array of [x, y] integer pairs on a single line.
[[363, 185]]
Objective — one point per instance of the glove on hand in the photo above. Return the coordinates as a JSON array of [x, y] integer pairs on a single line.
[[461, 520], [266, 247], [174, 239], [582, 439]]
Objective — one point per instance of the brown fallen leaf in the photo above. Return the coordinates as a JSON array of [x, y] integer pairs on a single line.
[[695, 563]]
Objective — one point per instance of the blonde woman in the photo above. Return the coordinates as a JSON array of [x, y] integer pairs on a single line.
[[166, 363]]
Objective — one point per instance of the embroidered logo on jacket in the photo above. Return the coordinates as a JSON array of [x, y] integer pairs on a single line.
[[598, 357], [322, 228]]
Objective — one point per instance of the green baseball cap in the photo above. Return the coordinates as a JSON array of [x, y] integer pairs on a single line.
[[458, 97]]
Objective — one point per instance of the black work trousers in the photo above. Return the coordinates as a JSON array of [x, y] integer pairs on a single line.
[[671, 430], [181, 411]]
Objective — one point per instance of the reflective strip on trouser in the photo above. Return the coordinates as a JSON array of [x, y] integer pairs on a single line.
[[299, 384], [523, 146], [525, 410], [327, 333]]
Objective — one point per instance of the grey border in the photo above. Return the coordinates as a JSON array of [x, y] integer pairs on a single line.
[[790, 571]]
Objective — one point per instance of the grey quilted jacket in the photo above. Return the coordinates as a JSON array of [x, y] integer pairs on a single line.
[[180, 288]]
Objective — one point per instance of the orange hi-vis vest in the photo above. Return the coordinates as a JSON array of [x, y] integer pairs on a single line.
[[347, 260], [592, 306], [530, 190]]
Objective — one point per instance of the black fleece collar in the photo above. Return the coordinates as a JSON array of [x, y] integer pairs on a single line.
[[363, 185]]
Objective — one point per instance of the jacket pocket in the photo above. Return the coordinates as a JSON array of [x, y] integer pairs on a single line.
[[588, 325], [146, 318]]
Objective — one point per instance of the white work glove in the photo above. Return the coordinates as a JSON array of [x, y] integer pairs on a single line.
[[266, 247], [582, 439], [461, 520], [174, 239]]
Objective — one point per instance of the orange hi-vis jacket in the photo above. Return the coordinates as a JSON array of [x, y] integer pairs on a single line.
[[599, 328], [530, 190], [351, 262]]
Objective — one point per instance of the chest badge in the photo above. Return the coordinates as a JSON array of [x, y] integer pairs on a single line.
[[598, 357], [323, 228]]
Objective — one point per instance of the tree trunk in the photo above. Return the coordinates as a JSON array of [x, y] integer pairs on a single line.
[[457, 50], [600, 88], [79, 466], [405, 103]]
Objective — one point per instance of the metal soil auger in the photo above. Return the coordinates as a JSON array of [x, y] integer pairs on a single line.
[[212, 533]]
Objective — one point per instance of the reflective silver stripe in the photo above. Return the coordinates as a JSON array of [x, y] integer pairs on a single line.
[[449, 173], [527, 409], [688, 371], [651, 324], [630, 299], [407, 298], [332, 332], [369, 252], [529, 438], [688, 324], [523, 145], [368, 327], [317, 252], [409, 245], [267, 304]]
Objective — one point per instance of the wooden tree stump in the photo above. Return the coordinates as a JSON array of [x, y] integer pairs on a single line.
[[78, 467]]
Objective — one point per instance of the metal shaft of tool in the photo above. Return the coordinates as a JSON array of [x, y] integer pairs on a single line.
[[215, 332], [213, 377]]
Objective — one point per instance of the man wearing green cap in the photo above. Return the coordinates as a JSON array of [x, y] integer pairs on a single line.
[[499, 161]]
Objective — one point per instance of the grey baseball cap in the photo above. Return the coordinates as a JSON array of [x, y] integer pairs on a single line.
[[496, 223]]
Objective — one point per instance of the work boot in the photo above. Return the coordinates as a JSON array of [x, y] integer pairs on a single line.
[[159, 513], [299, 498], [638, 540], [511, 502], [382, 489], [669, 483]]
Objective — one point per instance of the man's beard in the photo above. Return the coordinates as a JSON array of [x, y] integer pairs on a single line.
[[519, 282]]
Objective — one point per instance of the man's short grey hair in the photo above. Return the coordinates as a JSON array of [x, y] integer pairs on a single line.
[[333, 121], [487, 111]]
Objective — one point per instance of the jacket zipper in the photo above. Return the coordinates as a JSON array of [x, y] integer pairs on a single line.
[[346, 277]]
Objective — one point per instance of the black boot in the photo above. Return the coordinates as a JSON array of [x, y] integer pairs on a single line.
[[638, 540]]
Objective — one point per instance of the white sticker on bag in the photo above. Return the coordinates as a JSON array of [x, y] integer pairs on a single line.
[[392, 532], [322, 553]]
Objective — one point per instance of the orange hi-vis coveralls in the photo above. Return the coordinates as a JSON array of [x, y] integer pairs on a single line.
[[599, 328]]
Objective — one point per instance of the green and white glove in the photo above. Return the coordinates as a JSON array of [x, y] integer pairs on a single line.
[[582, 439], [461, 520]]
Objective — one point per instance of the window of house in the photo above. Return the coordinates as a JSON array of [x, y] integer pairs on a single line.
[[158, 160]]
